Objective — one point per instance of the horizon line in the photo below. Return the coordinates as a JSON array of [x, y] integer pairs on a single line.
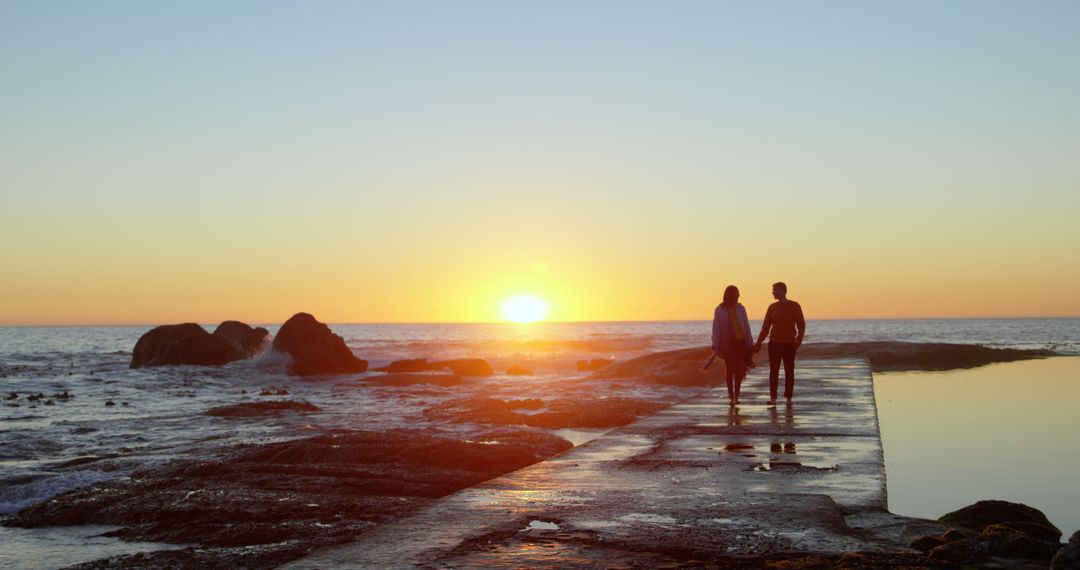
[[928, 318]]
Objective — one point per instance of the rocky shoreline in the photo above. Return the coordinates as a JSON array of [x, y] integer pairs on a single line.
[[262, 505]]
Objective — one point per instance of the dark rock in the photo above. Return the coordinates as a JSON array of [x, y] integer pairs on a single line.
[[461, 366], [189, 343], [186, 343], [248, 409], [591, 365], [984, 513], [673, 367], [151, 347], [12, 396], [1034, 530], [207, 350], [1075, 538], [893, 356], [413, 379], [1010, 543], [970, 551], [1068, 558], [252, 341], [409, 365], [110, 403], [466, 366], [36, 397], [315, 349], [953, 536], [515, 370], [926, 543], [559, 413]]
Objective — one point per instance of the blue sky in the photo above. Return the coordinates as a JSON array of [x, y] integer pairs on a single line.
[[917, 140]]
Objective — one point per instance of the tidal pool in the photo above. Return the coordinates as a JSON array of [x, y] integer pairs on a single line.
[[1004, 431]]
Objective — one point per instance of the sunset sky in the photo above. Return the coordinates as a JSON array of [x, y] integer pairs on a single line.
[[415, 161]]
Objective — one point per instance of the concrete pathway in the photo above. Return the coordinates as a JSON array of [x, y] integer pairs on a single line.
[[697, 483]]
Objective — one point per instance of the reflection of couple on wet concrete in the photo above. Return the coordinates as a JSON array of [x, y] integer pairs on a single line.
[[784, 326]]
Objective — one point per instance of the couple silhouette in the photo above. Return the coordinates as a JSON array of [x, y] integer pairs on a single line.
[[784, 326]]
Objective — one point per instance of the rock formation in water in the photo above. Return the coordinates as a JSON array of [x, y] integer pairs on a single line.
[[993, 529], [315, 349], [249, 409], [897, 356], [985, 513], [461, 366], [252, 341], [675, 367], [683, 367], [186, 343], [411, 379]]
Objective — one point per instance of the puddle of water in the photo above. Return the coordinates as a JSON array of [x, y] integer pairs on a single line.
[[579, 436], [647, 518], [540, 525], [64, 546]]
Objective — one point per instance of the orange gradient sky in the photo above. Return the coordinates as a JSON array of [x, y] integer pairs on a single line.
[[424, 162]]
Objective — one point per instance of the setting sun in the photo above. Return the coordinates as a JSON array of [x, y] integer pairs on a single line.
[[524, 309]]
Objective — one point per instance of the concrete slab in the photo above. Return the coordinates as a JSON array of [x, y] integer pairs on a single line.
[[698, 482]]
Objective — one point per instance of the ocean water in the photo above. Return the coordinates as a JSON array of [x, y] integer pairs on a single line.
[[118, 420]]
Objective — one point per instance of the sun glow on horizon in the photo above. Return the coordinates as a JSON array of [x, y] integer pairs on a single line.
[[525, 309]]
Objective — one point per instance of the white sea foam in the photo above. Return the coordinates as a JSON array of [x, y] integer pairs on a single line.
[[15, 497]]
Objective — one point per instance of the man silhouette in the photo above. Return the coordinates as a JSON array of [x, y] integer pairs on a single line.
[[784, 320]]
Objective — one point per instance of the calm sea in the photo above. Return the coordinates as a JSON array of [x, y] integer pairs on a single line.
[[156, 413]]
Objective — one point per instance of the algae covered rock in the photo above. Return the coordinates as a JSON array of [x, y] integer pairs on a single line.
[[985, 513], [1009, 543]]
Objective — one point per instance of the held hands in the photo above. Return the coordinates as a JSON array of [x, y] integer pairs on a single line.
[[757, 348]]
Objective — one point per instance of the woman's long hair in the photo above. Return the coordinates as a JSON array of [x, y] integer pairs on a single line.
[[731, 296]]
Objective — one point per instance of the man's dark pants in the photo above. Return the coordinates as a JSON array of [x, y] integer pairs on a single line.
[[781, 351]]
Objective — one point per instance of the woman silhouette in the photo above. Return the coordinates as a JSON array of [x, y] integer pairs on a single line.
[[731, 340]]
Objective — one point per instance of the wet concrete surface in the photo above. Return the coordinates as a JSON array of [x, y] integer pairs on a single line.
[[698, 484]]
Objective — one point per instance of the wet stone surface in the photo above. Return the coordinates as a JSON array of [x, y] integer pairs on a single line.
[[699, 483]]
